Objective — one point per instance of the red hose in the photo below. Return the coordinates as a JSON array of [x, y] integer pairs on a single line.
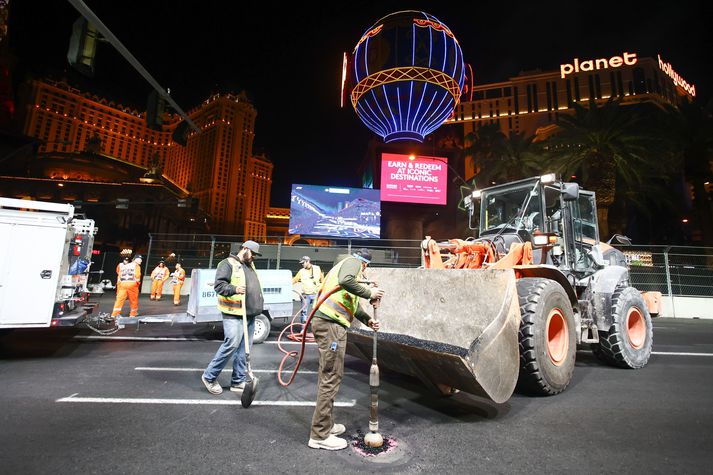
[[301, 336]]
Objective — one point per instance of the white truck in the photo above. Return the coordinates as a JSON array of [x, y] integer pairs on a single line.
[[45, 255]]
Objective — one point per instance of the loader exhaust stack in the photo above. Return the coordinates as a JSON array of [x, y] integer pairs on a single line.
[[451, 328]]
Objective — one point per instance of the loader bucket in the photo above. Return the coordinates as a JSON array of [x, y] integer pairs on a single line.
[[453, 328]]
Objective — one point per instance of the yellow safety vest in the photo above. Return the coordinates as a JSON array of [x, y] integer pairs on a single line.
[[235, 304], [341, 305], [309, 282]]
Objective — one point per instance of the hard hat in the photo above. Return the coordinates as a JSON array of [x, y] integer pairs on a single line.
[[305, 259]]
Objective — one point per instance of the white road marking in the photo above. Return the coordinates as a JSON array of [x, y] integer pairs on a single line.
[[290, 342], [664, 353], [196, 402], [271, 371], [136, 338], [166, 338]]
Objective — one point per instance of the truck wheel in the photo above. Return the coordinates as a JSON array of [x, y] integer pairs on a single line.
[[262, 329], [628, 342], [547, 337]]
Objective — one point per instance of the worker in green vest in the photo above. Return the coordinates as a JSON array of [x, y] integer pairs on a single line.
[[239, 296], [329, 325]]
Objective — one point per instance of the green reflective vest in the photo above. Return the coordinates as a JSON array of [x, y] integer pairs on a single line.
[[235, 304], [341, 305]]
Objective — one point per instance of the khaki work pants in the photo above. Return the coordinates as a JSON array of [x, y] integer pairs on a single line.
[[331, 339]]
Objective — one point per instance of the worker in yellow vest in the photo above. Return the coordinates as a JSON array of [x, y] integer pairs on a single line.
[[329, 325], [239, 296], [178, 277], [127, 285], [158, 277], [310, 277]]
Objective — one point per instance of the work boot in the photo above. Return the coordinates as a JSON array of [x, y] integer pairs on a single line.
[[212, 387], [238, 388], [330, 443], [338, 429]]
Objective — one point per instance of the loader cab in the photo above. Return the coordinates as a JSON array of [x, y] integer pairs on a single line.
[[573, 217], [514, 208]]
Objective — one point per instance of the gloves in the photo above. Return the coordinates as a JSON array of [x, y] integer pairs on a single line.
[[376, 293]]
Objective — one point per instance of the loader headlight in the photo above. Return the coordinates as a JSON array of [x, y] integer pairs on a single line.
[[476, 194], [542, 240], [549, 178]]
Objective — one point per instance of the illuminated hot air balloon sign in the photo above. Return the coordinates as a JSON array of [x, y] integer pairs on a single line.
[[408, 75]]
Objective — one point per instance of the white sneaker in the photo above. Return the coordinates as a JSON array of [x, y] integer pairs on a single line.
[[330, 443], [338, 429], [238, 388], [213, 388]]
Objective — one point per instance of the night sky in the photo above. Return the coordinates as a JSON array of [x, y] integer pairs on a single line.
[[289, 60]]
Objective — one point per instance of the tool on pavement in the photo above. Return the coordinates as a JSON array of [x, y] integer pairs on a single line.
[[251, 384], [374, 438]]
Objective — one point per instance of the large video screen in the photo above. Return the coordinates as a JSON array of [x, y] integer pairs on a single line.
[[414, 178], [336, 212]]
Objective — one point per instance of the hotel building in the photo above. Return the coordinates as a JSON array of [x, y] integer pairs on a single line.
[[217, 166], [532, 101]]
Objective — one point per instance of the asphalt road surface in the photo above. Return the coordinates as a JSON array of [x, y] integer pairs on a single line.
[[132, 402]]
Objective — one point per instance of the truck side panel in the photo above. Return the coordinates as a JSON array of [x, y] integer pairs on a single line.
[[30, 260]]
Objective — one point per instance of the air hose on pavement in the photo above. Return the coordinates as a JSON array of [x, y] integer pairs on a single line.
[[302, 337]]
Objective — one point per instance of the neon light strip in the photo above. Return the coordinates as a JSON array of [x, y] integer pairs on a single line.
[[380, 109], [375, 117], [443, 117], [423, 123], [398, 101], [369, 120], [433, 98], [423, 94], [413, 45], [410, 97], [435, 118], [430, 46], [366, 55], [386, 98]]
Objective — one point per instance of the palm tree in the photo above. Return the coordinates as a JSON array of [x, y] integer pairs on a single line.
[[604, 146], [688, 130], [498, 158]]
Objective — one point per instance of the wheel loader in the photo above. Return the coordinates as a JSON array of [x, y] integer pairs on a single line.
[[507, 310]]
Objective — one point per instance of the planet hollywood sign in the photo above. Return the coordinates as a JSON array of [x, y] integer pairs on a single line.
[[628, 59], [677, 80]]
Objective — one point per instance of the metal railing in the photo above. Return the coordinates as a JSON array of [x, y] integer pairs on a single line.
[[675, 271]]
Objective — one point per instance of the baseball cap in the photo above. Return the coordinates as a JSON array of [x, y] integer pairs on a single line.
[[305, 259], [363, 254], [253, 246], [138, 256]]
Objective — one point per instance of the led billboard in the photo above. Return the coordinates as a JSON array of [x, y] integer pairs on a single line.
[[414, 178], [335, 212]]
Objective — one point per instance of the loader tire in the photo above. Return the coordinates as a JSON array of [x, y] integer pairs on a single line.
[[547, 337], [628, 342]]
